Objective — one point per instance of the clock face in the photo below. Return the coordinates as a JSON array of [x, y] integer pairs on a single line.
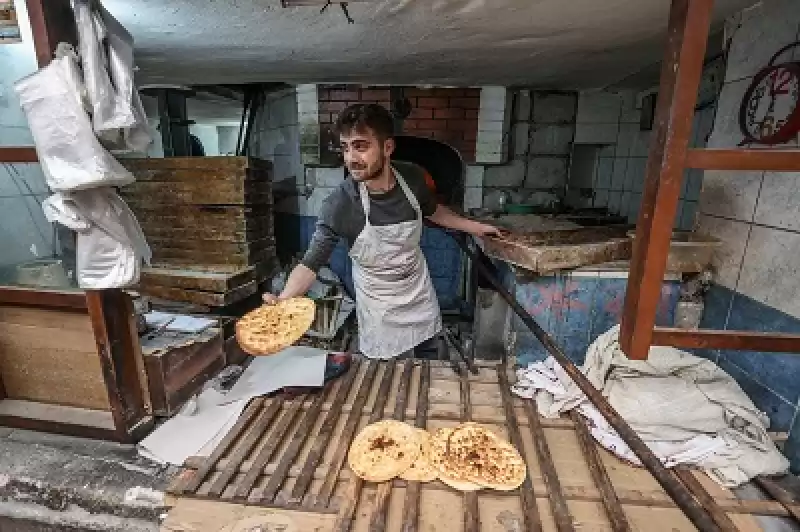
[[771, 104]]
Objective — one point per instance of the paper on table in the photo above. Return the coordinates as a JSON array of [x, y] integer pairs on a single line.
[[179, 323], [186, 434], [294, 366]]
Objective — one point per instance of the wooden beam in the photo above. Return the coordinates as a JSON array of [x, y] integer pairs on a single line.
[[52, 22], [74, 300], [769, 160], [735, 340], [18, 154], [682, 68]]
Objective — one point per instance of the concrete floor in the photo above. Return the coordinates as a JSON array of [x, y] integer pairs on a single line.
[[51, 482]]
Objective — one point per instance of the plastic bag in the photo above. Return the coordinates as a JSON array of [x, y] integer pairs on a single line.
[[71, 156], [110, 245], [106, 51]]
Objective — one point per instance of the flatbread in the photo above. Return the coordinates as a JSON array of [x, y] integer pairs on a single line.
[[449, 472], [422, 469], [383, 450], [486, 459], [272, 328]]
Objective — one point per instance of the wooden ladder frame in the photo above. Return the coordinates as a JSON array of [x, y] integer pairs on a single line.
[[689, 24]]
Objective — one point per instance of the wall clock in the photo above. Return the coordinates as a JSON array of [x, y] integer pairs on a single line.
[[770, 109]]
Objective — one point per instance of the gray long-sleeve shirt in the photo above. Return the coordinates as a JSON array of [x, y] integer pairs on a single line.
[[342, 215]]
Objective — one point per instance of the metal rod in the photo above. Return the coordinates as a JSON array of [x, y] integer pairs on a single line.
[[674, 488]]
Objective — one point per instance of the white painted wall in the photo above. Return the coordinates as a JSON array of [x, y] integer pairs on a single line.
[[24, 232], [208, 135]]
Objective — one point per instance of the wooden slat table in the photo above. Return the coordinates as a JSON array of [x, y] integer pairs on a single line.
[[290, 457]]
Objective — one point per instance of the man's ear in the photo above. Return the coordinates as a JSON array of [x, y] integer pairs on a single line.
[[388, 147]]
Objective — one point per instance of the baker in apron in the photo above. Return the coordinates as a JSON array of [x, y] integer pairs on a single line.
[[378, 211]]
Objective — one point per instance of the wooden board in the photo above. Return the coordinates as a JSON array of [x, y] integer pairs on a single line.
[[284, 464], [199, 297], [193, 279], [549, 251], [50, 356]]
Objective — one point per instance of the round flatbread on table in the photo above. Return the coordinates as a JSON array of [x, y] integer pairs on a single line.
[[422, 469], [486, 459], [272, 328], [449, 471], [384, 450]]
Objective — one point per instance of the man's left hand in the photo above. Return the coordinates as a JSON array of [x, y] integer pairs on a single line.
[[481, 230]]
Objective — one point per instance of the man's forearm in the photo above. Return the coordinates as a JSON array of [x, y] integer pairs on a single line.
[[299, 281], [447, 218]]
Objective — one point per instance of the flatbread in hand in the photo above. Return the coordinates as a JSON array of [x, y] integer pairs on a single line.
[[383, 450], [422, 469], [272, 328]]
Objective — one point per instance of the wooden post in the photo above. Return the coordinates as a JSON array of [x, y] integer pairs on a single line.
[[689, 22], [52, 22]]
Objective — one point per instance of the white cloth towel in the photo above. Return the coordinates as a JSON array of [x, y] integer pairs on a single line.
[[685, 408]]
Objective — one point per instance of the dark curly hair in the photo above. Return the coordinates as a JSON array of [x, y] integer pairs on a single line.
[[366, 116]]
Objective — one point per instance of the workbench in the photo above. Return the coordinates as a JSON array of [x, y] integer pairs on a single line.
[[284, 464]]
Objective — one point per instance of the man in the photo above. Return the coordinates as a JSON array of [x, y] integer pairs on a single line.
[[378, 211]]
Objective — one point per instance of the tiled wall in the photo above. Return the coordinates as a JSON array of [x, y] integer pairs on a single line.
[[446, 114], [276, 135], [542, 127], [574, 308], [756, 214], [610, 123], [24, 232]]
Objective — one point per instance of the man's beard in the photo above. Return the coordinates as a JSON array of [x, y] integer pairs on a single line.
[[375, 174]]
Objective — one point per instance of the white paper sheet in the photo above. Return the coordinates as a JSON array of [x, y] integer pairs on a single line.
[[294, 366], [186, 434], [180, 322]]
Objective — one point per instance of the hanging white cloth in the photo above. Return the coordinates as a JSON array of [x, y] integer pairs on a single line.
[[396, 304], [685, 408]]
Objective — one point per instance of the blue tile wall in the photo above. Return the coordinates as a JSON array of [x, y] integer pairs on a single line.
[[771, 380], [293, 234], [575, 310]]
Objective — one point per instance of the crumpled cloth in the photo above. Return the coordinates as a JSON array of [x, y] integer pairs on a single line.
[[685, 408]]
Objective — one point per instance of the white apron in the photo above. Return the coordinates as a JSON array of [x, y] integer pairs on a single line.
[[396, 305]]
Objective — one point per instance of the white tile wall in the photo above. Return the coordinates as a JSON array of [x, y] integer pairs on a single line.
[[554, 108], [730, 194], [552, 139], [546, 172], [474, 176], [733, 241], [507, 175], [770, 270], [599, 107]]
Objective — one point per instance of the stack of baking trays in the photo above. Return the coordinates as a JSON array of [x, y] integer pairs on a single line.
[[209, 222]]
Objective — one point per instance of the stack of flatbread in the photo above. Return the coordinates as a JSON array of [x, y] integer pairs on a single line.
[[272, 328], [467, 457]]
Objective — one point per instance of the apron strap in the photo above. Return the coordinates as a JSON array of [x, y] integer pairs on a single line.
[[412, 199]]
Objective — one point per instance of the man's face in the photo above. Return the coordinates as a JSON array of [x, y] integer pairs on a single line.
[[365, 155]]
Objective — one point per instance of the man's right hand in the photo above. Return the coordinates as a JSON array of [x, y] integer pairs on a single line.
[[269, 299]]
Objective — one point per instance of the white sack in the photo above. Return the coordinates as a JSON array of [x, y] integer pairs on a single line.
[[69, 152], [106, 51], [110, 243], [685, 408]]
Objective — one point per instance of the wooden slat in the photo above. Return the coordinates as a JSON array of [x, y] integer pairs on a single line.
[[736, 340], [323, 438], [780, 495], [242, 487], [71, 300], [614, 511], [472, 516], [241, 451], [194, 482], [707, 501], [351, 498], [530, 511], [377, 522], [337, 461], [21, 154], [279, 476], [411, 502], [766, 160], [682, 67], [558, 504]]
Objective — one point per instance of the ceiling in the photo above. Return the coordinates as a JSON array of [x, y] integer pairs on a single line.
[[566, 44]]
